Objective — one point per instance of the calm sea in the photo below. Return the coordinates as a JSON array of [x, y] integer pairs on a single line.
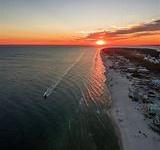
[[74, 114]]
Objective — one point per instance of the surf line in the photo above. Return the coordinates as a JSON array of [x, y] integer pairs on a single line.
[[50, 89]]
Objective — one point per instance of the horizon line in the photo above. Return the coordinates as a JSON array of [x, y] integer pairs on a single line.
[[75, 45]]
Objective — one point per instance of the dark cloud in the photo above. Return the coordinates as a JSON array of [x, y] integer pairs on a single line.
[[139, 30], [152, 26], [146, 34]]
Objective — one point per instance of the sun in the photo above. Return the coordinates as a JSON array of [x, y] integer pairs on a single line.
[[100, 42]]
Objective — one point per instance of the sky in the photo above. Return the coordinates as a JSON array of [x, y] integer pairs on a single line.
[[118, 22]]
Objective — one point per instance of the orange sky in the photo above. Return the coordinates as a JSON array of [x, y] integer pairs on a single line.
[[61, 22], [60, 39], [140, 34]]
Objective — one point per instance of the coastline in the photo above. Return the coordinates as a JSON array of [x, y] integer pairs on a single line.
[[127, 116]]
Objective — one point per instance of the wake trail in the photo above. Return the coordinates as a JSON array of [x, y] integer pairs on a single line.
[[50, 90]]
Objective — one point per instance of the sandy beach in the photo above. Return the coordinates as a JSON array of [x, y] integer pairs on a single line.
[[135, 133], [132, 126]]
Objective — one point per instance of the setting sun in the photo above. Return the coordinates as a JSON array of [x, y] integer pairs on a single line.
[[100, 42]]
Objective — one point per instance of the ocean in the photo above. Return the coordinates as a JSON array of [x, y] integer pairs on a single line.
[[54, 98]]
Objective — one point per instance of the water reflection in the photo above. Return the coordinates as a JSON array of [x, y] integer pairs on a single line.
[[94, 121], [96, 93]]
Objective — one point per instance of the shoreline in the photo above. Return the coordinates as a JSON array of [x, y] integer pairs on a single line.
[[127, 116], [116, 127]]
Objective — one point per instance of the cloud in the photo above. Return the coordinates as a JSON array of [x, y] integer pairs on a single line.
[[144, 29], [152, 26], [146, 34]]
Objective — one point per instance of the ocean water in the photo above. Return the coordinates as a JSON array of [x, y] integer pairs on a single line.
[[74, 114]]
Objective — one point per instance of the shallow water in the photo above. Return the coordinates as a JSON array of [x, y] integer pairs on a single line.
[[72, 117]]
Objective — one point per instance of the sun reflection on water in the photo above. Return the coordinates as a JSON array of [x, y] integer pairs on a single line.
[[96, 93]]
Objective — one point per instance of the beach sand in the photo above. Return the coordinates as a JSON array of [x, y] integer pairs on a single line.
[[135, 134]]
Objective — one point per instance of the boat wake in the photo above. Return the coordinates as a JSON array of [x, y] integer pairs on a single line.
[[51, 89]]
